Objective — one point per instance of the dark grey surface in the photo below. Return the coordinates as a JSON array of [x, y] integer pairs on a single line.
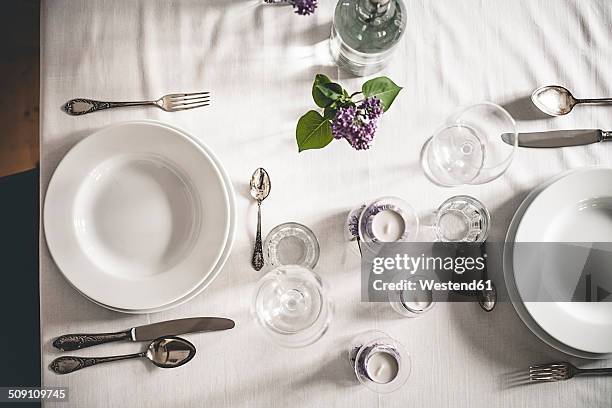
[[19, 300]]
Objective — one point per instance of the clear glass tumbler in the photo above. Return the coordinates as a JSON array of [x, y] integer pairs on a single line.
[[468, 148], [462, 219], [291, 244], [292, 306]]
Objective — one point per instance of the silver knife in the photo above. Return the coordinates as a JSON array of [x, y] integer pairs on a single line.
[[559, 138], [71, 342]]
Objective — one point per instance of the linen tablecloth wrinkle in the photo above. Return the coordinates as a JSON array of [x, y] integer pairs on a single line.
[[259, 62]]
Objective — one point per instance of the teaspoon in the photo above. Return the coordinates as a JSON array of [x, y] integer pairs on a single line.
[[555, 100], [165, 352], [487, 298], [260, 188]]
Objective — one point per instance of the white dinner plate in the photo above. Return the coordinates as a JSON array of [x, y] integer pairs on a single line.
[[226, 251], [511, 285], [573, 208], [137, 215]]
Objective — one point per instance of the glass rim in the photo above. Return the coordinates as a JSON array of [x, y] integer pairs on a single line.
[[453, 120], [297, 225], [370, 340], [283, 337], [406, 211], [471, 200]]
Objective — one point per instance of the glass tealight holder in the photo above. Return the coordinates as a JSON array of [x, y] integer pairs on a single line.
[[387, 219], [292, 306], [291, 244], [412, 302], [462, 219], [380, 362]]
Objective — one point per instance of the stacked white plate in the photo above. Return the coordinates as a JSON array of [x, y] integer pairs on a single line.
[[574, 207], [140, 217]]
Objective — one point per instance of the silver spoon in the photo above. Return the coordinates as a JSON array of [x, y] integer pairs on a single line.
[[555, 100], [260, 188], [487, 299], [165, 352]]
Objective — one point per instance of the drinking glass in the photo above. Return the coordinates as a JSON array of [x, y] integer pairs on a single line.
[[292, 306], [291, 244], [381, 363], [468, 148], [462, 219]]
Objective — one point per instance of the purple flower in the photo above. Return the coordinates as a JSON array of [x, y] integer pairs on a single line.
[[357, 124], [353, 226], [304, 7]]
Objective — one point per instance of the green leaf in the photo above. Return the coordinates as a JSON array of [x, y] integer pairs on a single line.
[[330, 92], [329, 112], [383, 88], [324, 91], [313, 131]]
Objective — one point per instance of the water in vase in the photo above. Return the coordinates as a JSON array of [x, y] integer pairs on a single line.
[[365, 34]]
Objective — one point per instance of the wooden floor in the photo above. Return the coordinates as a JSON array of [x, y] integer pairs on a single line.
[[19, 85]]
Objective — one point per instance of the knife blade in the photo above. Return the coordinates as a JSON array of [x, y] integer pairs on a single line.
[[152, 331], [558, 138]]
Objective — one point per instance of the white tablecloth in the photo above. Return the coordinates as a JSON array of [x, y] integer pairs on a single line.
[[259, 62]]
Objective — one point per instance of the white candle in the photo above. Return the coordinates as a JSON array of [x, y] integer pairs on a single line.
[[388, 226], [416, 300], [382, 367]]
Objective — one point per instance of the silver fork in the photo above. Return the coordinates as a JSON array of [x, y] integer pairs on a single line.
[[169, 103], [562, 371]]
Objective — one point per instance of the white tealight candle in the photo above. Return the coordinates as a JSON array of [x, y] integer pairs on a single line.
[[417, 300], [382, 367], [388, 226]]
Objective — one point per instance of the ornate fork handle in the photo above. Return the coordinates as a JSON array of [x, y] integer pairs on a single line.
[[81, 106], [595, 371], [71, 342], [69, 364]]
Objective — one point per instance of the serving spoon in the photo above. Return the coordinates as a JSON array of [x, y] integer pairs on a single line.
[[555, 100], [165, 352], [260, 189]]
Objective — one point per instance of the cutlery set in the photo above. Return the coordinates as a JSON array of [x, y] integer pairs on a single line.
[[555, 100], [165, 350]]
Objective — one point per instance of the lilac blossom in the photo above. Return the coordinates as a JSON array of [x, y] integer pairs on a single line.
[[304, 7], [301, 7], [357, 123]]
